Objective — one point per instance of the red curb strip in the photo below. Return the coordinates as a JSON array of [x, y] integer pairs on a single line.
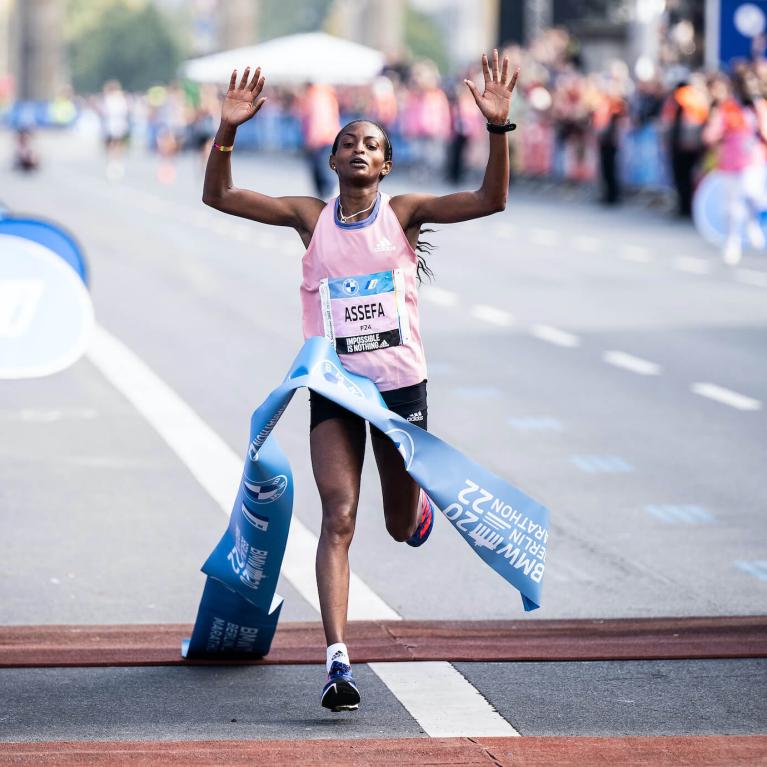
[[539, 640], [700, 751]]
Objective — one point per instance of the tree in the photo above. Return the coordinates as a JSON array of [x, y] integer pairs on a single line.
[[129, 42]]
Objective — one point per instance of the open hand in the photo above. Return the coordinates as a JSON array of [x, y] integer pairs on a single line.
[[494, 102], [242, 102]]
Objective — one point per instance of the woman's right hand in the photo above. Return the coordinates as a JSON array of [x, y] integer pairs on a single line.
[[242, 102]]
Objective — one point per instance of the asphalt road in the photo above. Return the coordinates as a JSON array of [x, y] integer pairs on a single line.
[[567, 346]]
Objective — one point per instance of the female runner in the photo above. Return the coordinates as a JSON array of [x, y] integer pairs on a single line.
[[360, 275]]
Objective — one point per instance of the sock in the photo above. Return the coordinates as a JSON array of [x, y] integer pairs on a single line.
[[337, 652]]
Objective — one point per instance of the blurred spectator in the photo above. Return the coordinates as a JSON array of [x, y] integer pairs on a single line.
[[737, 127], [25, 158], [684, 114], [320, 123], [608, 123], [114, 110], [426, 118]]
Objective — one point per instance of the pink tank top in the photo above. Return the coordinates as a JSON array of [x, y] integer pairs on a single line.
[[359, 290]]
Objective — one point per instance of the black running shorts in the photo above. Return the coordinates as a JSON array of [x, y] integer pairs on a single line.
[[409, 402]]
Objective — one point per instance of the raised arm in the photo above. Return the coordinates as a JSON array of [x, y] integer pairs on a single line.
[[416, 209], [241, 103]]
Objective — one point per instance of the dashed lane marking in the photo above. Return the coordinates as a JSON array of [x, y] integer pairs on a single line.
[[492, 315], [477, 392], [601, 464], [215, 465], [671, 514], [545, 237], [535, 423], [751, 277], [442, 700], [505, 230], [632, 363], [555, 336], [439, 296], [757, 568], [691, 265], [586, 244], [726, 396], [636, 254]]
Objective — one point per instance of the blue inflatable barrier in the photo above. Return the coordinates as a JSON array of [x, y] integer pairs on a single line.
[[507, 529], [50, 235]]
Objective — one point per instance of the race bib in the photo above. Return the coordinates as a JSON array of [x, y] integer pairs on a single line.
[[366, 312]]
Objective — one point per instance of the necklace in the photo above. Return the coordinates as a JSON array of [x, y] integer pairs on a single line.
[[344, 218]]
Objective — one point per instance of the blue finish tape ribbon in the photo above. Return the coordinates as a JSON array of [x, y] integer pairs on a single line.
[[503, 526]]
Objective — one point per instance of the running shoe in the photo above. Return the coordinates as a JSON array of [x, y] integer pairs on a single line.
[[425, 523], [340, 692]]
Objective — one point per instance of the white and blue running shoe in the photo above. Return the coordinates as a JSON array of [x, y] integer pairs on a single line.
[[340, 692]]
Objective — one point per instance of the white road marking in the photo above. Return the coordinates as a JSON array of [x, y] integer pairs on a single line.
[[555, 336], [215, 465], [601, 464], [629, 362], [685, 514], [439, 296], [505, 230], [726, 396], [441, 700], [492, 315], [692, 265], [636, 254], [535, 423], [586, 244], [545, 237], [751, 277], [477, 392]]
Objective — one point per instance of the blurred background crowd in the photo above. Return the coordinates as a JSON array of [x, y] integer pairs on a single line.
[[614, 97]]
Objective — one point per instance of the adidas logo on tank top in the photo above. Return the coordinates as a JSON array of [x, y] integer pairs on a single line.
[[383, 245]]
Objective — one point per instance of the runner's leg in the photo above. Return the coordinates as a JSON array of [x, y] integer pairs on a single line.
[[337, 449], [399, 490]]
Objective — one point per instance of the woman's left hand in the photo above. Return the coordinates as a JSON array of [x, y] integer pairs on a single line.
[[494, 102]]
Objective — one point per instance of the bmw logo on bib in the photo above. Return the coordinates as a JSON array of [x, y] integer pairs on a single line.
[[351, 286]]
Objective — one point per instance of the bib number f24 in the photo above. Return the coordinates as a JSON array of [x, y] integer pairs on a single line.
[[365, 312]]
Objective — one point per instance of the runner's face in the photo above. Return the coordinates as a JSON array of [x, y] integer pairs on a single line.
[[360, 153]]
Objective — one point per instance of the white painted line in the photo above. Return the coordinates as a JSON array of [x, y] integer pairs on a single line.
[[555, 336], [492, 315], [441, 700], [685, 514], [505, 230], [632, 363], [751, 277], [477, 392], [692, 265], [586, 244], [726, 396], [636, 254], [545, 237], [215, 465], [439, 296], [535, 423]]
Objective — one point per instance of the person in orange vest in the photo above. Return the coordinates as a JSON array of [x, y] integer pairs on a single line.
[[320, 123], [683, 116], [606, 120]]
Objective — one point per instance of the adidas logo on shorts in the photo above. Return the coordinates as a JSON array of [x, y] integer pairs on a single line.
[[417, 416], [383, 245]]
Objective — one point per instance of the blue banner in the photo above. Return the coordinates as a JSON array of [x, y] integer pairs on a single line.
[[503, 526], [742, 25]]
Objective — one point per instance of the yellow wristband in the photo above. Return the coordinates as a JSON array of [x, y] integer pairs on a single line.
[[223, 148]]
